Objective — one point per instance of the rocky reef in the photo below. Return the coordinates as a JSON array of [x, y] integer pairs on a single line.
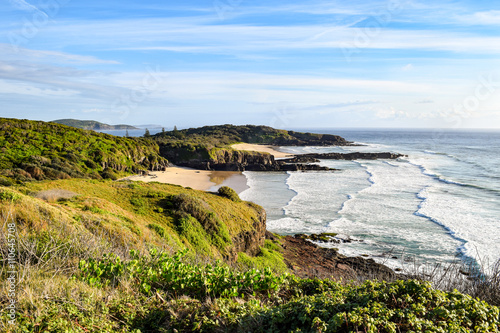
[[310, 158], [236, 160], [306, 260]]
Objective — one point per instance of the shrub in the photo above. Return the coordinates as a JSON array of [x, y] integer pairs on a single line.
[[7, 195], [229, 193], [109, 174], [158, 229], [189, 206], [401, 306], [4, 181]]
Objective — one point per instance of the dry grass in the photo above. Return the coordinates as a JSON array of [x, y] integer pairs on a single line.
[[54, 195]]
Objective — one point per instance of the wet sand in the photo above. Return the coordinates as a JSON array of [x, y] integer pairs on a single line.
[[196, 179]]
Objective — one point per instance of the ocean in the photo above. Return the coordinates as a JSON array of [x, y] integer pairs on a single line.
[[439, 204]]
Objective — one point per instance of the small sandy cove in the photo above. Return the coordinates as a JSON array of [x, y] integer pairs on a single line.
[[262, 148], [187, 177], [205, 180]]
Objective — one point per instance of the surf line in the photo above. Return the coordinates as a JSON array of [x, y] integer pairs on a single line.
[[351, 197], [461, 249]]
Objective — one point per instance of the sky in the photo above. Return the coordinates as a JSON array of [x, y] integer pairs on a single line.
[[286, 64]]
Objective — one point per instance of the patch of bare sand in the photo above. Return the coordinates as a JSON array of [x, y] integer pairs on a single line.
[[262, 148], [187, 177]]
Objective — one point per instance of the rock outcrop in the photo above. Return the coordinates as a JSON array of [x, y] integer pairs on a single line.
[[339, 156], [237, 160], [308, 260]]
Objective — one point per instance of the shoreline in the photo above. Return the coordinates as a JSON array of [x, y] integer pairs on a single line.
[[202, 180], [206, 180], [262, 149]]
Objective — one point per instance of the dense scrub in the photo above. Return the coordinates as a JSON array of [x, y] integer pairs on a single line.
[[223, 135], [206, 142], [35, 150], [158, 292]]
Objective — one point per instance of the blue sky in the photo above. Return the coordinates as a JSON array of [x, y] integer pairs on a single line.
[[287, 64]]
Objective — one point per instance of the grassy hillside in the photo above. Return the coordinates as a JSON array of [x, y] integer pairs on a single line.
[[91, 125], [101, 256], [35, 150], [61, 222], [94, 255]]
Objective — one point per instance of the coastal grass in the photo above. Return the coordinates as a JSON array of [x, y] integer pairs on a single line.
[[107, 259]]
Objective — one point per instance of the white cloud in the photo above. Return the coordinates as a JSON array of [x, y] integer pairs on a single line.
[[390, 113], [491, 17], [407, 68], [8, 52], [23, 5], [195, 36]]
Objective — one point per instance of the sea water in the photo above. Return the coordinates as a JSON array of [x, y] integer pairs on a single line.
[[440, 203]]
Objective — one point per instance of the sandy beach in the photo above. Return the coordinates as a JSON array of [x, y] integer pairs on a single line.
[[196, 179], [261, 148], [208, 180]]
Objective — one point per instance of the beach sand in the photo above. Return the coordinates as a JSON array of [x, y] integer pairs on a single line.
[[261, 148], [196, 179], [208, 180]]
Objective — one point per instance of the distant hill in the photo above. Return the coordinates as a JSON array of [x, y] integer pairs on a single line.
[[92, 125], [224, 135]]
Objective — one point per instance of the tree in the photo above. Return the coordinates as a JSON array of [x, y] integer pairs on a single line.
[[147, 134], [126, 134]]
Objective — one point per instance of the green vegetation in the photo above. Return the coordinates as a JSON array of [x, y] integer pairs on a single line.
[[213, 142], [96, 255], [91, 125], [229, 193], [224, 135], [158, 292], [34, 150]]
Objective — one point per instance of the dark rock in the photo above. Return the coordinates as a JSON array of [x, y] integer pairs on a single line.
[[353, 156], [300, 159], [307, 260]]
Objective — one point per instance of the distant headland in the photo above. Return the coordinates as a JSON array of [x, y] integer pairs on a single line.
[[92, 125]]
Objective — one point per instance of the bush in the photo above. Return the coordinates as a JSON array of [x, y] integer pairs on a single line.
[[158, 229], [4, 181], [7, 195], [401, 306], [189, 206], [229, 193], [109, 174]]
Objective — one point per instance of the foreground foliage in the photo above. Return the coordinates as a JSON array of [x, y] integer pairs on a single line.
[[162, 293]]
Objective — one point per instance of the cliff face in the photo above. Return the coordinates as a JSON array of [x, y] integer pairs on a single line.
[[221, 159], [250, 241]]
